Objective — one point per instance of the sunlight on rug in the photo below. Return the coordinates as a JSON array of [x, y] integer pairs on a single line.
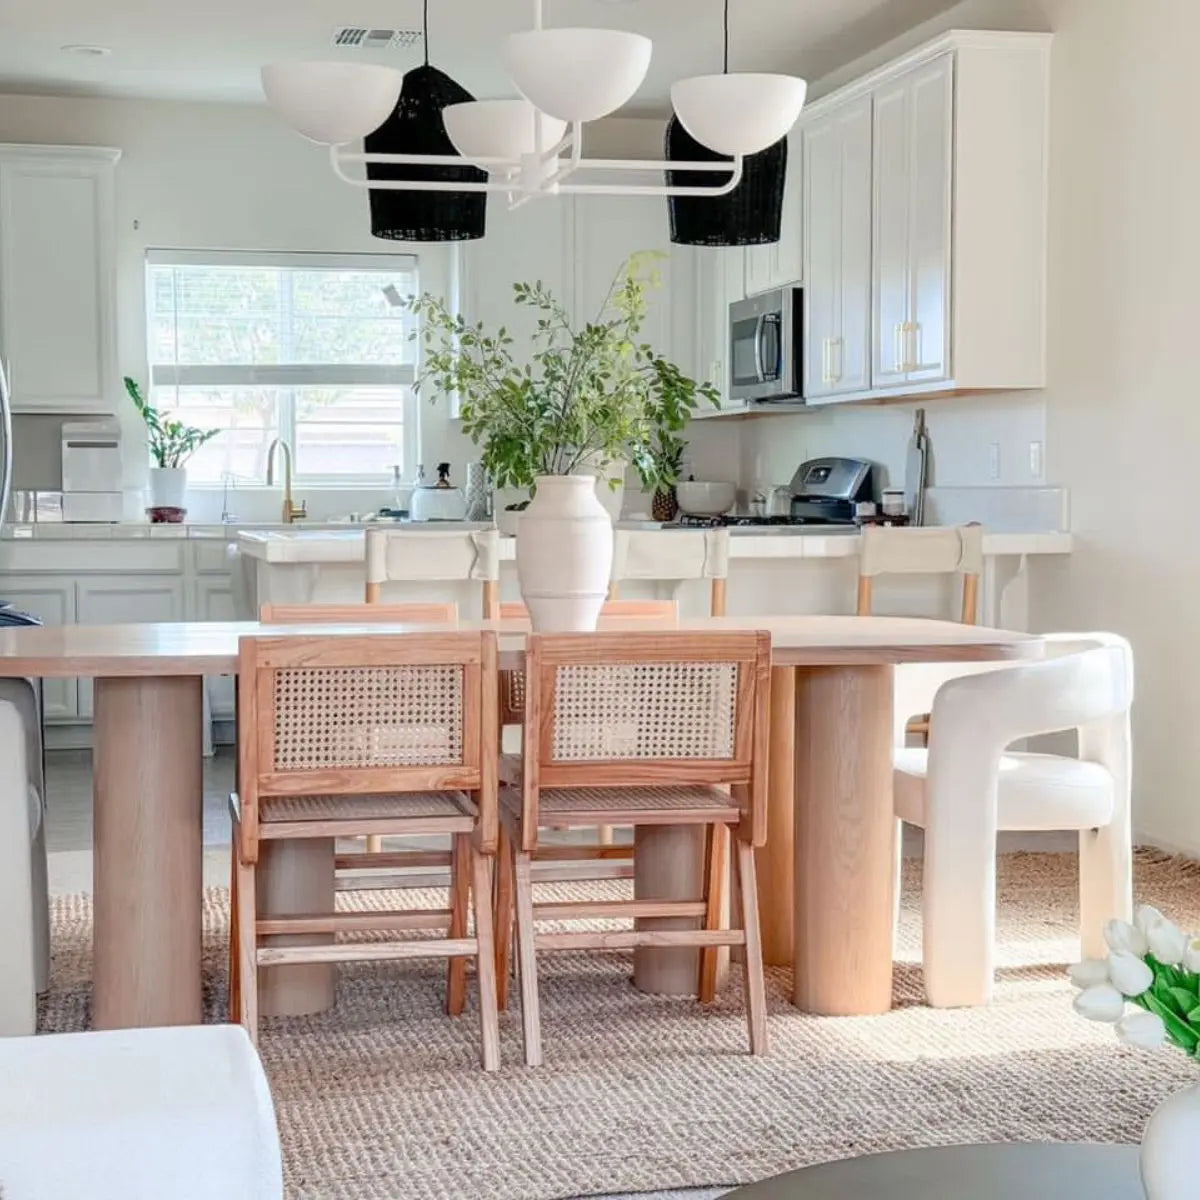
[[382, 1097]]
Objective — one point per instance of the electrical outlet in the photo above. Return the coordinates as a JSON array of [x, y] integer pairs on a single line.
[[994, 460], [1036, 465]]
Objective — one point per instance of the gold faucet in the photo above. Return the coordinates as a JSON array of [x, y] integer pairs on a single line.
[[291, 512]]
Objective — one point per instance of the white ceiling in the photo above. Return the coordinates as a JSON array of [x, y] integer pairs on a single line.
[[211, 49]]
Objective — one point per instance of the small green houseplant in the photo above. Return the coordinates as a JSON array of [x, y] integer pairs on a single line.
[[171, 444]]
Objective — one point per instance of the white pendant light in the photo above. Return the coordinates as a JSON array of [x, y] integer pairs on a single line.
[[577, 74], [740, 113], [332, 102], [491, 129]]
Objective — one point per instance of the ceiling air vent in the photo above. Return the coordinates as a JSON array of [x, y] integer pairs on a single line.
[[360, 37]]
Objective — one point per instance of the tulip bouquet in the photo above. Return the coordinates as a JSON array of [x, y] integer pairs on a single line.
[[1153, 965]]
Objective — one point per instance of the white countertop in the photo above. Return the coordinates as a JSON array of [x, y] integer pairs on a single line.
[[346, 545]]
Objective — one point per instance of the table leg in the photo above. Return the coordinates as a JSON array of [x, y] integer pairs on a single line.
[[774, 860], [296, 877], [844, 839], [668, 864], [148, 880]]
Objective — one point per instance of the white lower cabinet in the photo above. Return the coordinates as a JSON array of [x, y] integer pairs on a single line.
[[213, 600], [51, 599], [123, 600]]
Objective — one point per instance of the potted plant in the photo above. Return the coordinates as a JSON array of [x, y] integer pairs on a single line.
[[590, 399], [1154, 966], [171, 443]]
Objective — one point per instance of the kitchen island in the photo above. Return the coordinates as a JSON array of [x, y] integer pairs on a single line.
[[773, 572]]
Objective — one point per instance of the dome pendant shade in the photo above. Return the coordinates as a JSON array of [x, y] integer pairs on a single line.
[[499, 128], [738, 113], [331, 102], [416, 126], [577, 74], [750, 215]]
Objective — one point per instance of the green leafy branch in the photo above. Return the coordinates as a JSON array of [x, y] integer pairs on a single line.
[[586, 398], [171, 442]]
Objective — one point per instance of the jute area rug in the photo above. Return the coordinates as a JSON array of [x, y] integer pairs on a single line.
[[383, 1098]]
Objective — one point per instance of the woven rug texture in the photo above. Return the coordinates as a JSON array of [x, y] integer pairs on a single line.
[[382, 1097]]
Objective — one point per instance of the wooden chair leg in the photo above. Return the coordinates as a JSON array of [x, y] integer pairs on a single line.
[[234, 990], [485, 959], [375, 843], [247, 945], [714, 896], [460, 895], [504, 918], [527, 958], [604, 835], [756, 991]]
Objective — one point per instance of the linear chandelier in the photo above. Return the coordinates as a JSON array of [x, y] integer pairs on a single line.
[[533, 146]]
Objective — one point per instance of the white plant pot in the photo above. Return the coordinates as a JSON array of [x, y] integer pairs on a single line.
[[564, 554], [1171, 1147], [168, 487], [610, 487]]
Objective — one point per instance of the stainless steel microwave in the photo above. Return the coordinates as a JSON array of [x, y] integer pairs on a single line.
[[765, 346]]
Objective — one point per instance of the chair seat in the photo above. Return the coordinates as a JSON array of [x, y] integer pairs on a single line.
[[397, 807], [668, 804], [1036, 791]]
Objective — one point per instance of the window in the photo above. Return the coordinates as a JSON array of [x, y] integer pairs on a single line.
[[300, 346]]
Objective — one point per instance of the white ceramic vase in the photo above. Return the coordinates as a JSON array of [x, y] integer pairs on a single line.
[[168, 487], [1171, 1147], [564, 554]]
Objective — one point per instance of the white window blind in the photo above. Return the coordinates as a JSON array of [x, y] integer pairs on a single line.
[[300, 346]]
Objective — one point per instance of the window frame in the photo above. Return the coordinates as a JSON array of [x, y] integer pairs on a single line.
[[288, 377]]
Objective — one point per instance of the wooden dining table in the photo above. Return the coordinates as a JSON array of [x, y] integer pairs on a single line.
[[825, 873]]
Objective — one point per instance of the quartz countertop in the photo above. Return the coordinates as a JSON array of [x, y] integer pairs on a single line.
[[342, 545]]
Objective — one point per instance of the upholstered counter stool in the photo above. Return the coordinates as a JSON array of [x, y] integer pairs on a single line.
[[24, 906], [686, 554]]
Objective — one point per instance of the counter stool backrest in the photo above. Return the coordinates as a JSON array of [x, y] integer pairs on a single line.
[[407, 555], [642, 708], [366, 714], [950, 550], [684, 554]]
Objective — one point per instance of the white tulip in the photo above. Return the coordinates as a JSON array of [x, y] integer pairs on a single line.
[[1129, 974], [1191, 956], [1102, 1002], [1145, 1029], [1168, 942], [1146, 917], [1088, 973], [1120, 935]]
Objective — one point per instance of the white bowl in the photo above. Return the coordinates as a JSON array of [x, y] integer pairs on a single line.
[[332, 102], [499, 128], [705, 499], [740, 113], [577, 74]]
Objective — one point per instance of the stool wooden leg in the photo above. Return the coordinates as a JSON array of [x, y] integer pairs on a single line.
[[460, 894], [504, 917], [485, 959], [374, 844], [756, 992], [527, 958], [234, 989], [716, 875], [247, 945]]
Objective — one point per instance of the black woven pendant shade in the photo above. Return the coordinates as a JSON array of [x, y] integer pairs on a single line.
[[416, 127], [750, 215]]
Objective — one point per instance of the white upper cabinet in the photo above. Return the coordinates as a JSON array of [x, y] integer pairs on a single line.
[[912, 174], [720, 280], [781, 263], [837, 225], [57, 278], [956, 233]]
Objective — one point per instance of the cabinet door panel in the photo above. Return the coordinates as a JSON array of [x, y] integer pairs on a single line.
[[121, 600], [823, 236], [851, 353], [52, 601], [214, 601], [929, 220], [720, 281], [55, 283], [892, 188]]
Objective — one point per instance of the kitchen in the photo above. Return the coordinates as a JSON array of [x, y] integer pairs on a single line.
[[967, 305]]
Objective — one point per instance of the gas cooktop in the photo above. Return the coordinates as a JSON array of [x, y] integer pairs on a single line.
[[743, 521]]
